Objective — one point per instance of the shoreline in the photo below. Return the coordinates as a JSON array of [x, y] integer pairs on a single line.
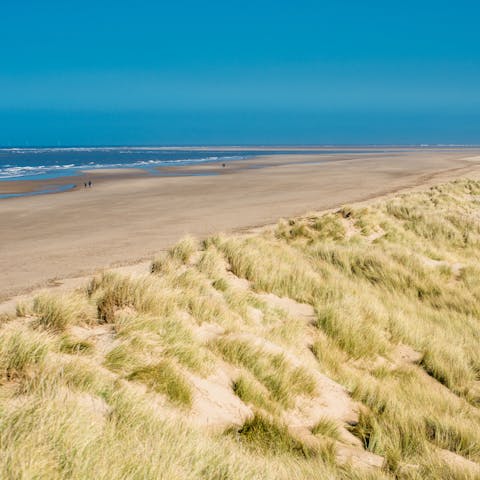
[[18, 187], [52, 238], [21, 187]]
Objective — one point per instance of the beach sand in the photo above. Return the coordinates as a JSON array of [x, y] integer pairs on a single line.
[[78, 181], [129, 216]]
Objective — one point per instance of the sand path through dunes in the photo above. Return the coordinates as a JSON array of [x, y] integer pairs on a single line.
[[123, 220]]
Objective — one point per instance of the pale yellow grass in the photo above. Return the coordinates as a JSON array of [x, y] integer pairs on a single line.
[[104, 382]]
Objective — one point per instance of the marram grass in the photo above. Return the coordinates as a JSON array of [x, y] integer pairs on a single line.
[[111, 381]]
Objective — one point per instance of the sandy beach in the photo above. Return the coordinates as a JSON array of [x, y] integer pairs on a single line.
[[128, 216]]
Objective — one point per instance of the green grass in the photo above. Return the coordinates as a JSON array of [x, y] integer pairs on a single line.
[[164, 377], [326, 427], [72, 345], [272, 370], [267, 435], [252, 392]]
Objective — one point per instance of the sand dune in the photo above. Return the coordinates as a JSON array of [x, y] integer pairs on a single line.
[[342, 345]]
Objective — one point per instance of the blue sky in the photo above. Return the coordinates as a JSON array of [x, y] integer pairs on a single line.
[[283, 72]]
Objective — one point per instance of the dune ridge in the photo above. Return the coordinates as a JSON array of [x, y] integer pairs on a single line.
[[337, 345]]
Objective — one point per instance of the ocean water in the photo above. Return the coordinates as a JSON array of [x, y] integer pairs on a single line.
[[49, 163]]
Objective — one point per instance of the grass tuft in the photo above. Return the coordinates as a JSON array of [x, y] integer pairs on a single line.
[[57, 313], [20, 350], [184, 249], [165, 378], [272, 370], [266, 435], [326, 427], [252, 392]]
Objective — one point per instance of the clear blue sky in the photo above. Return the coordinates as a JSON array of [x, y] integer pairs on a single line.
[[213, 72]]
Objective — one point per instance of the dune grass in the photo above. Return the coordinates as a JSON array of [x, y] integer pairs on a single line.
[[112, 381], [252, 392], [283, 380], [56, 313], [165, 377], [267, 435], [326, 427], [20, 349]]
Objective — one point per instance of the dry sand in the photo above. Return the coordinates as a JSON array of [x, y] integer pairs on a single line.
[[127, 217]]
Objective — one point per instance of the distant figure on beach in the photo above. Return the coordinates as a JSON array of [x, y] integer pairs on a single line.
[[85, 184], [223, 165], [89, 184]]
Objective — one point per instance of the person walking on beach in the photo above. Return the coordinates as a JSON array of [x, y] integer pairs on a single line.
[[85, 184], [89, 184]]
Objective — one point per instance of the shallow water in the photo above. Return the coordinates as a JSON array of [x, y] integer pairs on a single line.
[[57, 189]]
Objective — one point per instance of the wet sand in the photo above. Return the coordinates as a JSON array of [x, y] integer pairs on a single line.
[[128, 216], [76, 182]]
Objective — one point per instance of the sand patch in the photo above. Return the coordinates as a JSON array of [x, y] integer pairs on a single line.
[[102, 336], [215, 404], [358, 457], [455, 267], [293, 308], [114, 171], [457, 460]]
